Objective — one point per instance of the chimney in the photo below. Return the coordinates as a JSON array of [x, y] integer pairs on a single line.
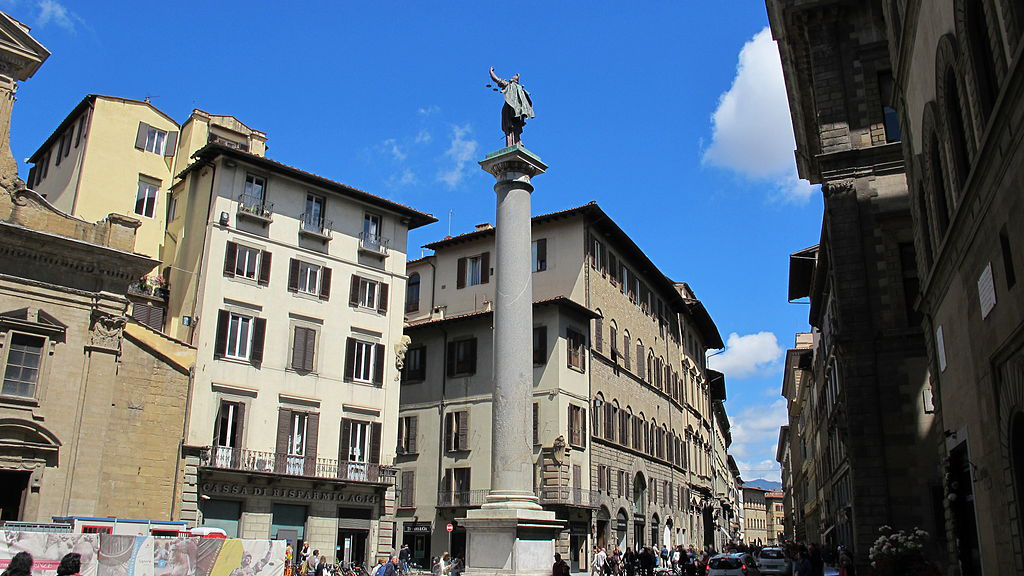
[[484, 226], [438, 312]]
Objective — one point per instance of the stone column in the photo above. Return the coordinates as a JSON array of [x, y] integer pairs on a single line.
[[20, 57], [511, 534]]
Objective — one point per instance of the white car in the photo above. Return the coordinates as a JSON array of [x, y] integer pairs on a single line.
[[774, 561], [738, 564]]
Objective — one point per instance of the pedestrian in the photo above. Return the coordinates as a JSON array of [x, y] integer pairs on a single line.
[[458, 565], [817, 562], [664, 555], [289, 554], [597, 564], [321, 565], [629, 561], [802, 566], [611, 564], [21, 565], [70, 564], [304, 555], [391, 568], [846, 564], [404, 555], [559, 568], [444, 565]]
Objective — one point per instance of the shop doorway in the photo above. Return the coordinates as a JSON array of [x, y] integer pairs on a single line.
[[12, 498], [458, 543], [352, 546], [577, 546], [417, 537], [224, 514]]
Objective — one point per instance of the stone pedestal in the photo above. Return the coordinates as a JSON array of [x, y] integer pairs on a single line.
[[511, 534]]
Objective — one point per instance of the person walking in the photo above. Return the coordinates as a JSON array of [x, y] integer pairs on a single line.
[[629, 562], [404, 555], [802, 566], [559, 568], [20, 565], [597, 565], [817, 562], [391, 568]]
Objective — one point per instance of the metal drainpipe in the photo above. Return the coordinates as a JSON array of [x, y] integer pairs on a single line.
[[590, 402], [440, 415]]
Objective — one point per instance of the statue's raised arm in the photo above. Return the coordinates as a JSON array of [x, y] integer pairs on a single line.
[[518, 107]]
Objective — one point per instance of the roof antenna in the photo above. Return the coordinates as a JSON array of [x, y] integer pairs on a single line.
[[148, 98], [450, 214]]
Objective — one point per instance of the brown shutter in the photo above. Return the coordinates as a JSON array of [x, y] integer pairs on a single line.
[[613, 268], [310, 349], [604, 259], [403, 435], [460, 274], [230, 257], [536, 423], [589, 248], [449, 431], [284, 422], [599, 334], [625, 350], [346, 440], [325, 283], [240, 425], [640, 360], [464, 430], [259, 334], [140, 136], [382, 298], [353, 293], [312, 436], [582, 347], [408, 488], [293, 275], [220, 344], [350, 358], [264, 277], [170, 144], [299, 349], [485, 267], [583, 427], [375, 433], [378, 364], [572, 429], [600, 477], [410, 431]]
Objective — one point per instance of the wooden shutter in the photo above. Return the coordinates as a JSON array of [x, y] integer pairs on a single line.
[[378, 363], [220, 345], [284, 422], [264, 277], [140, 136], [382, 297], [581, 345], [613, 268], [540, 344], [230, 257], [259, 334], [485, 267], [460, 274], [640, 360], [293, 275], [325, 283], [375, 433], [600, 477], [170, 143], [572, 428], [408, 488], [599, 334], [350, 358], [583, 427], [604, 259], [299, 348], [353, 293], [625, 350], [411, 423], [464, 430], [312, 436], [449, 432], [536, 423], [346, 440]]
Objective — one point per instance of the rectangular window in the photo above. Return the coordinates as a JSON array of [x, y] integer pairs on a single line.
[[309, 278], [364, 361], [540, 255], [155, 141], [229, 425], [1008, 269], [577, 425], [473, 270], [371, 230], [597, 255], [407, 434], [313, 217], [462, 357], [540, 345], [369, 294], [407, 495], [145, 198], [297, 434], [247, 262], [360, 444], [303, 349], [239, 336], [576, 344], [415, 365], [24, 359], [456, 431], [253, 191]]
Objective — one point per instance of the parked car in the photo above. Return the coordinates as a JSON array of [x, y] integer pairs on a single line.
[[773, 561], [738, 564]]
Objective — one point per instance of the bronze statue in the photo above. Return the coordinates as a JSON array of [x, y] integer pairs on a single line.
[[518, 107]]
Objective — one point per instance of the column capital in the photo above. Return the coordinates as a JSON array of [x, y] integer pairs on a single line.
[[513, 163]]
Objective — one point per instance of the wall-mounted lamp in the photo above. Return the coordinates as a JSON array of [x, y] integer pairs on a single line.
[[224, 216]]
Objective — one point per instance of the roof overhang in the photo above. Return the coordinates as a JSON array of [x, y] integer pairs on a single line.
[[801, 272]]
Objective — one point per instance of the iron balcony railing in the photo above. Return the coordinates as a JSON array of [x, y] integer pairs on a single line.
[[374, 243], [570, 497], [461, 498], [255, 207], [315, 224], [228, 458]]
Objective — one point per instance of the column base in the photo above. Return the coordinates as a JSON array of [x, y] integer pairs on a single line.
[[510, 542]]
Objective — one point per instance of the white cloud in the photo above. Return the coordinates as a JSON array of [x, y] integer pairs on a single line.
[[755, 435], [747, 355], [390, 146], [429, 110], [423, 137], [51, 11], [760, 469], [406, 178], [460, 152], [752, 133]]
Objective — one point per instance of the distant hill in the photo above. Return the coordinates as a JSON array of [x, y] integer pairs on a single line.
[[764, 484]]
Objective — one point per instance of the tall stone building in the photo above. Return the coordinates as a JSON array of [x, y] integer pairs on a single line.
[[755, 516], [958, 77], [623, 422], [874, 454], [92, 403]]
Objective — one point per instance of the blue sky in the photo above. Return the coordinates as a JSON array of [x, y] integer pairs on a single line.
[[671, 114]]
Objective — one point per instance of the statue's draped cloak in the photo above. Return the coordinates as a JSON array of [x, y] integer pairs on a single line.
[[518, 107]]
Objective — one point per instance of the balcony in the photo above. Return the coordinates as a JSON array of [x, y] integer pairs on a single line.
[[315, 226], [255, 209], [226, 458], [461, 498], [152, 286], [374, 244], [570, 497]]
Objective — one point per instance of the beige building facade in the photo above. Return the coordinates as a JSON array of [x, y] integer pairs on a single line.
[[775, 516], [92, 403], [623, 449], [755, 516], [291, 286]]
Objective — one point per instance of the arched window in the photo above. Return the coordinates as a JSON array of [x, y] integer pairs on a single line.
[[610, 419], [979, 44], [956, 130], [639, 494], [640, 359], [925, 226], [638, 431], [626, 343], [651, 368], [625, 422], [412, 293], [613, 339], [596, 416], [938, 173]]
